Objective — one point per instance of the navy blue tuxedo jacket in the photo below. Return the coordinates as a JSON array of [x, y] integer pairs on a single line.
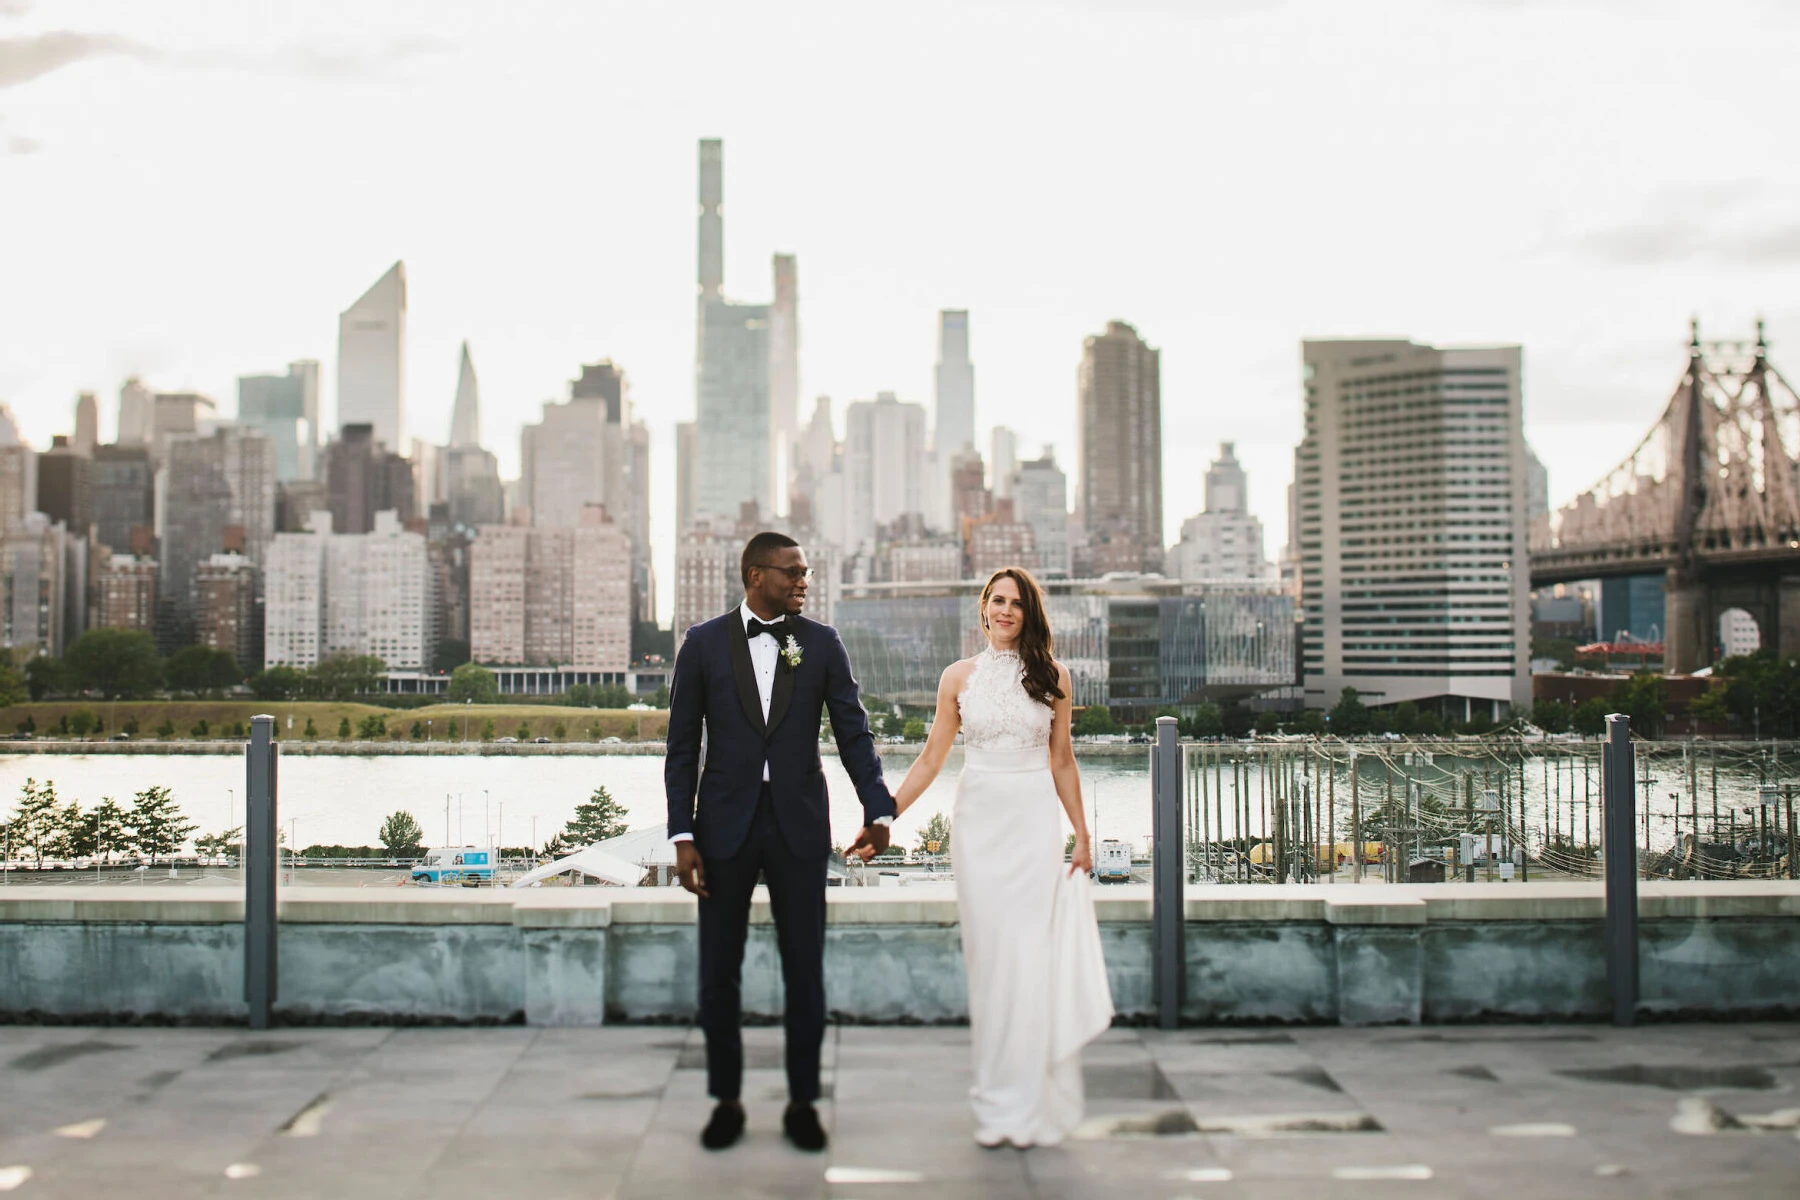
[[715, 688]]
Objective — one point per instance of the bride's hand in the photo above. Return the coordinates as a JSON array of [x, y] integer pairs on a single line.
[[1081, 858]]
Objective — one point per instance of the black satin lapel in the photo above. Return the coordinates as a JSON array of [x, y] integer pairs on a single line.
[[744, 671], [784, 681]]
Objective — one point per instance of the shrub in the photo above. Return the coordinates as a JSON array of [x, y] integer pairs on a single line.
[[344, 727]]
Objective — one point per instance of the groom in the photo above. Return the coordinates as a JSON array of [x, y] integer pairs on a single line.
[[756, 680]]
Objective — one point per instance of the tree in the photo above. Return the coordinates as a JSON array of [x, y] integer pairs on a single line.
[[1561, 649], [453, 730], [371, 727], [109, 828], [157, 827], [1589, 717], [650, 640], [417, 731], [401, 834], [559, 731], [579, 695], [600, 818], [347, 676], [114, 662], [219, 844], [166, 730], [12, 685], [1095, 719], [1715, 705], [935, 837], [82, 722], [1645, 699], [913, 730], [1404, 718], [487, 730], [34, 823], [1349, 717], [1266, 724], [311, 731], [451, 653], [524, 732], [1236, 720], [473, 682], [198, 669], [1207, 722], [1552, 716], [74, 833], [45, 676], [278, 683], [343, 728], [202, 728], [1310, 722]]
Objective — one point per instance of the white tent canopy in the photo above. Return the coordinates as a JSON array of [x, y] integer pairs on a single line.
[[623, 860]]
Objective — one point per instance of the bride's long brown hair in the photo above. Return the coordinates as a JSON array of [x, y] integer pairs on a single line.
[[1036, 650]]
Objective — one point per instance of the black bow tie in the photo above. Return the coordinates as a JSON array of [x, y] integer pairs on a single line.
[[774, 629]]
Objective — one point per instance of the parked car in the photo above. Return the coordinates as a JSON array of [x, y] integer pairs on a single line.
[[542, 741], [121, 736], [611, 741], [507, 739]]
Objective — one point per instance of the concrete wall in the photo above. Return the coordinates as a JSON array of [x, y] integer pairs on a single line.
[[581, 956]]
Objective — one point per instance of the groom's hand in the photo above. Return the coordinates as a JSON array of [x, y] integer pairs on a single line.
[[870, 841], [688, 867]]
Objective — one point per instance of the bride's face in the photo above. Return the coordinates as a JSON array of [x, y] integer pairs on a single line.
[[1004, 615]]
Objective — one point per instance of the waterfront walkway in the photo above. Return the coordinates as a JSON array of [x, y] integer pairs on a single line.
[[1516, 1111]]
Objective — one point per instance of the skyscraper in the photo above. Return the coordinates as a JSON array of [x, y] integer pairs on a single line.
[[87, 423], [176, 414], [135, 406], [576, 455], [371, 378], [358, 593], [124, 486], [1040, 496], [1004, 455], [954, 430], [1412, 535], [465, 414], [225, 480], [1225, 541], [884, 461], [286, 407], [1119, 416], [734, 459], [687, 456], [362, 478], [551, 597], [65, 486], [784, 370]]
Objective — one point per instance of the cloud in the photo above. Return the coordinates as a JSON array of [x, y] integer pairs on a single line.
[[14, 8], [23, 59], [20, 144], [1721, 223], [321, 61]]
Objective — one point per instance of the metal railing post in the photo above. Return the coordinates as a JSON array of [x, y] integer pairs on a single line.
[[260, 872], [1619, 829], [1168, 872]]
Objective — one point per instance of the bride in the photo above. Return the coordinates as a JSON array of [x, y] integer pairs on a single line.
[[1031, 949]]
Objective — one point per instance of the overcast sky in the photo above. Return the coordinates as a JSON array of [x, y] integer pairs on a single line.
[[191, 191]]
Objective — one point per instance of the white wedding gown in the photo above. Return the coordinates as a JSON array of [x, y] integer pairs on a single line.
[[1037, 982]]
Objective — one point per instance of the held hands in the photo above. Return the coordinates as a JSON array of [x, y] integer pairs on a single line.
[[689, 868], [1081, 858], [870, 841]]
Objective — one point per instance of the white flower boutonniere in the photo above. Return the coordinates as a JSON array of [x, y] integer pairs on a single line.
[[790, 652]]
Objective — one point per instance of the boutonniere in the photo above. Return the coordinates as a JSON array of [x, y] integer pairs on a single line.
[[790, 652]]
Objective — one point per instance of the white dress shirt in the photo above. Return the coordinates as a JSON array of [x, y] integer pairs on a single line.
[[764, 653]]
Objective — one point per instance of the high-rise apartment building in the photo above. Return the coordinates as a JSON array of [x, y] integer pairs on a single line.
[[1004, 457], [708, 574], [124, 491], [173, 415], [363, 477], [578, 452], [137, 406], [228, 611], [332, 593], [734, 443], [1000, 540], [1040, 496], [1412, 493], [286, 408], [637, 522], [553, 596], [784, 368], [371, 369], [1119, 416], [124, 593], [87, 423], [884, 465], [1225, 542], [954, 427], [34, 582], [65, 486], [687, 463]]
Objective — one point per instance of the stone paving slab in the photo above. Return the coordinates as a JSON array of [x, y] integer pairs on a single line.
[[1462, 1111]]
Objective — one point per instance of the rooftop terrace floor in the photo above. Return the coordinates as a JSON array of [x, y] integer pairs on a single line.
[[1479, 1111]]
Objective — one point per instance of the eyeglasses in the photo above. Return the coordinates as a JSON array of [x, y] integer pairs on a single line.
[[795, 574]]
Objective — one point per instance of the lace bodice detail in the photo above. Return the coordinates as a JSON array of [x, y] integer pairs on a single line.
[[997, 714]]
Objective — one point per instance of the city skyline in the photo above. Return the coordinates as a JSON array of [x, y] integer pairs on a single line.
[[1588, 246]]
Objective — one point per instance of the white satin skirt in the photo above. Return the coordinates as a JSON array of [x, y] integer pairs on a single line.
[[1031, 949]]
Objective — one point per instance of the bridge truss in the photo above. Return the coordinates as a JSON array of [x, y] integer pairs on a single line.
[[1716, 481]]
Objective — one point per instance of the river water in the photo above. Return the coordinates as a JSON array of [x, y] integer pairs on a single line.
[[342, 800]]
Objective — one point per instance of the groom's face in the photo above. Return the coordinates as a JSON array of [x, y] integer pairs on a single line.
[[781, 586]]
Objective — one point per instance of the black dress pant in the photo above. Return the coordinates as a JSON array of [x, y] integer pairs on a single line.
[[797, 900]]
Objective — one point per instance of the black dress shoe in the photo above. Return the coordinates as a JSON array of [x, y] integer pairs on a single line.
[[726, 1126], [801, 1121]]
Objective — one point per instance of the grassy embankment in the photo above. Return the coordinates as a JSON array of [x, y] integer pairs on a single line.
[[540, 720]]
